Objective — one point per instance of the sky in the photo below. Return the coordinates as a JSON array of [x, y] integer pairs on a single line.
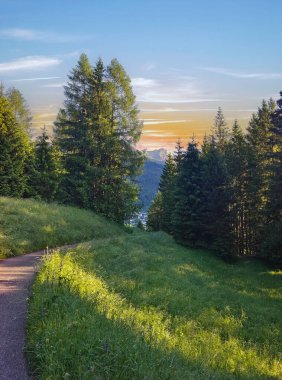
[[185, 58]]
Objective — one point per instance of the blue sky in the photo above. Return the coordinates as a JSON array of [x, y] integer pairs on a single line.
[[185, 58]]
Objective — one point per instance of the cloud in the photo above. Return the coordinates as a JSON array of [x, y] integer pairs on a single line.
[[223, 71], [145, 122], [150, 66], [37, 35], [29, 63], [170, 90], [143, 82], [54, 85], [34, 79]]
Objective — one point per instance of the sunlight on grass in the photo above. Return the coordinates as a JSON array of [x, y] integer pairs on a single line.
[[27, 225], [209, 341]]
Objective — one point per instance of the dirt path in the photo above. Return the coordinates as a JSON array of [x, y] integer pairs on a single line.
[[16, 275]]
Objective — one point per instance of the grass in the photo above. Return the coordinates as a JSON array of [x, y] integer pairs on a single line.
[[140, 306], [28, 225]]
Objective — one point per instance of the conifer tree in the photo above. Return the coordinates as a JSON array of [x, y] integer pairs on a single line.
[[21, 110], [155, 213], [187, 216], [97, 131], [272, 241], [237, 165], [14, 151], [216, 198], [47, 168], [167, 188], [178, 154], [220, 131], [259, 157]]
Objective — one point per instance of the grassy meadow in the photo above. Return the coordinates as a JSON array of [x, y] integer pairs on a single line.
[[139, 306], [27, 225]]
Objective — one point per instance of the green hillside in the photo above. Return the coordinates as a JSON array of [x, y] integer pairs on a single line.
[[27, 225], [139, 306]]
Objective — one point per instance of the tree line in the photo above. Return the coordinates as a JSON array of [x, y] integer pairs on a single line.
[[91, 161], [227, 194]]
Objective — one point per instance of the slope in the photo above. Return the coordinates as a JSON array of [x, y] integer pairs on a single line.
[[28, 225], [139, 306]]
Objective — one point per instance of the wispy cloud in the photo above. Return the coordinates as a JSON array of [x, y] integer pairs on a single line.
[[29, 63], [34, 79], [23, 34], [171, 90], [156, 122], [144, 82], [224, 71], [54, 85], [150, 66]]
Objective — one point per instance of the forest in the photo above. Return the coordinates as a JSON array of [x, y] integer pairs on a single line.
[[224, 195]]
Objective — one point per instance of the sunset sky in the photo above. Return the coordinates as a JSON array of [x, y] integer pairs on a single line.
[[186, 58]]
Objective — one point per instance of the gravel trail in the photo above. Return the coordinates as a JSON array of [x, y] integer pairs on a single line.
[[16, 275]]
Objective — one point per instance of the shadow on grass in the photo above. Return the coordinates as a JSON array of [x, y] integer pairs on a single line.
[[237, 301], [89, 327]]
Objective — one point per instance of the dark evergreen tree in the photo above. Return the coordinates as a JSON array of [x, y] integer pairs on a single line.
[[167, 188], [259, 157], [155, 213], [220, 131], [178, 154], [47, 169], [272, 236], [237, 165], [216, 199], [187, 216], [14, 151], [97, 131]]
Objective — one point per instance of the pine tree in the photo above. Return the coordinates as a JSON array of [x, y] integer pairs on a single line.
[[71, 131], [187, 216], [220, 131], [14, 151], [259, 158], [97, 131], [155, 213], [216, 198], [167, 188], [178, 154], [272, 241], [47, 168], [21, 110], [237, 165]]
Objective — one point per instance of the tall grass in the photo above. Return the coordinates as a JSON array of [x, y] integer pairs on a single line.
[[141, 307], [28, 225]]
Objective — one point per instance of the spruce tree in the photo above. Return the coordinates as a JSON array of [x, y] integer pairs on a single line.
[[259, 158], [216, 198], [167, 188], [237, 165], [272, 241], [178, 154], [47, 168], [71, 131], [155, 213], [97, 131], [20, 108], [187, 216], [14, 151], [220, 131]]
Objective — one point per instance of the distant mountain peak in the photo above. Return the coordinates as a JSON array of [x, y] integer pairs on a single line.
[[157, 154]]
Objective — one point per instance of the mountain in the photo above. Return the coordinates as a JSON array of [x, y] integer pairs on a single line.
[[149, 181], [158, 154]]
